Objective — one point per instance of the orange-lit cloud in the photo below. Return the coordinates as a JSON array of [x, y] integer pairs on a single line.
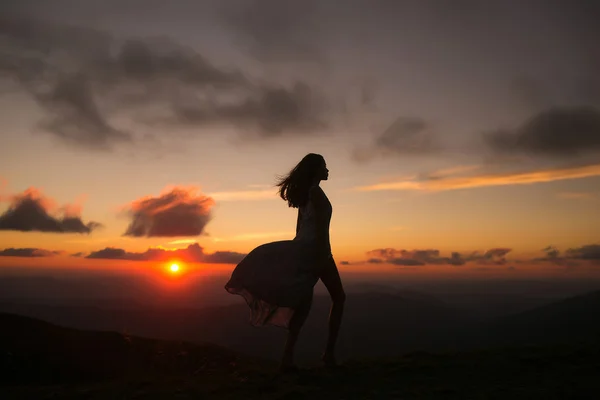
[[31, 211], [182, 241], [192, 253], [475, 181], [177, 211]]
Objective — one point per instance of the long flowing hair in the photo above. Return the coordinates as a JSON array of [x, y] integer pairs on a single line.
[[294, 186]]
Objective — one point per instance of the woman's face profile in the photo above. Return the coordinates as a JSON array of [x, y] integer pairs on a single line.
[[323, 171]]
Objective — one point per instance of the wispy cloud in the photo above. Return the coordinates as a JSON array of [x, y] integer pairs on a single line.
[[253, 236], [486, 180], [183, 241], [245, 195], [576, 195]]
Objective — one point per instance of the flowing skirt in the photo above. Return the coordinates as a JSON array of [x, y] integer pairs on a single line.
[[275, 279]]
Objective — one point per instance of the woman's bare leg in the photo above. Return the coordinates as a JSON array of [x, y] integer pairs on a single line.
[[296, 323], [331, 279]]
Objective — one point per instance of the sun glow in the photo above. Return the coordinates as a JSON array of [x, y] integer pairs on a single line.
[[174, 268]]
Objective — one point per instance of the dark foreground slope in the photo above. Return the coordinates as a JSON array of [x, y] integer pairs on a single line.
[[572, 320], [41, 360]]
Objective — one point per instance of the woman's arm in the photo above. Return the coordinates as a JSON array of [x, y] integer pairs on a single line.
[[298, 221], [317, 198]]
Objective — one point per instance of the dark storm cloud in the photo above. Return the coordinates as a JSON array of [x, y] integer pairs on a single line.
[[30, 211], [27, 252], [405, 136], [192, 253], [74, 114], [272, 112], [433, 257], [177, 212], [83, 78], [555, 132]]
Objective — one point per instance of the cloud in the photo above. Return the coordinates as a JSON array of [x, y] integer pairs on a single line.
[[178, 211], [553, 255], [344, 262], [576, 195], [404, 257], [408, 262], [192, 253], [587, 252], [493, 256], [78, 254], [183, 241], [405, 136], [83, 78], [554, 132], [572, 256], [248, 195], [74, 115], [433, 257], [27, 252], [30, 211], [270, 111], [487, 180], [252, 236]]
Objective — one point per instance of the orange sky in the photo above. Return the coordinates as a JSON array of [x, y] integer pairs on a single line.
[[144, 143]]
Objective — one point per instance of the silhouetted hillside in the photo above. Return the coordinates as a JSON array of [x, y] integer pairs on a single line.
[[575, 319], [374, 325], [41, 360], [37, 352]]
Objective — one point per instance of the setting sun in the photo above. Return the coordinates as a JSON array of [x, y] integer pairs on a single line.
[[174, 268]]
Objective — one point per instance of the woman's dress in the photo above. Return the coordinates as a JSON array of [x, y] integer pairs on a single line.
[[277, 278]]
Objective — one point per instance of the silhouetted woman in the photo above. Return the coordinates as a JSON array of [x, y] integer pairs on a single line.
[[277, 279]]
